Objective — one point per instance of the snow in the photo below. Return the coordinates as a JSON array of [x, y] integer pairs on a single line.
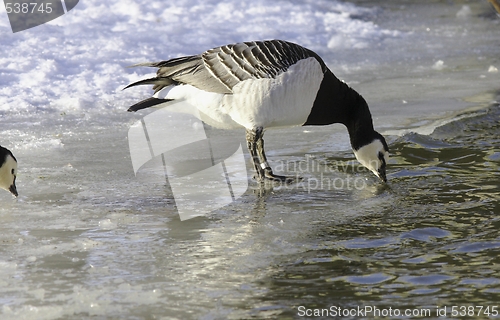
[[77, 62]]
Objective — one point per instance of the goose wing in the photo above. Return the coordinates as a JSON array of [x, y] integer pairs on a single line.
[[220, 69], [234, 63]]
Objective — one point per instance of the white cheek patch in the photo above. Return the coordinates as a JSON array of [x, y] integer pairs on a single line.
[[6, 176], [368, 155]]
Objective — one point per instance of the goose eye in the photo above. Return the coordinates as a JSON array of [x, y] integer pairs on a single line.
[[12, 171]]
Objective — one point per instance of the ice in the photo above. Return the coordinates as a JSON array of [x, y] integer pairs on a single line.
[[464, 12], [439, 65], [107, 224], [7, 267]]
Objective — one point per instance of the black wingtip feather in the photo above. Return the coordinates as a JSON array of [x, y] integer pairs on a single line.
[[143, 64], [150, 102], [142, 82]]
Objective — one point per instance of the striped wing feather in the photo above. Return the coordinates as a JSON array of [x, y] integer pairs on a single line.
[[234, 63], [187, 70], [220, 69]]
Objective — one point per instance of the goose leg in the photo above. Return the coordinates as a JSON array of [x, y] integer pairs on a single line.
[[252, 137], [255, 144]]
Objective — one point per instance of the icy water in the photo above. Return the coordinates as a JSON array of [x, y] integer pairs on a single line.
[[87, 239]]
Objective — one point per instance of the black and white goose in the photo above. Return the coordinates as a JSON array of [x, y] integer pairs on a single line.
[[263, 84], [8, 171]]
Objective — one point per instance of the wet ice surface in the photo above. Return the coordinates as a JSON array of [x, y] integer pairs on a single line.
[[86, 238]]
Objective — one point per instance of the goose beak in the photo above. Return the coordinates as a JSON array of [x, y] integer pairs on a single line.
[[382, 175], [13, 189]]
